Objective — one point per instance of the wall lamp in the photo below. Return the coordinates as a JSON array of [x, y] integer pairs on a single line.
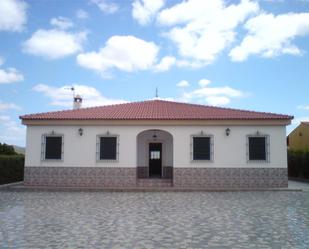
[[80, 131], [227, 131]]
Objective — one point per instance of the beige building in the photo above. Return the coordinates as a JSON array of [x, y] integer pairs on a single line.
[[298, 139], [156, 143]]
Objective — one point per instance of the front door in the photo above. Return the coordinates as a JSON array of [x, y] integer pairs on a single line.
[[155, 160]]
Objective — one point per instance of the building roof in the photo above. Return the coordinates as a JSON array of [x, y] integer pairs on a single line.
[[156, 110]]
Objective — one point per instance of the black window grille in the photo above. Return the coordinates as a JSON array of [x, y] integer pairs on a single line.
[[53, 147], [201, 148], [108, 148]]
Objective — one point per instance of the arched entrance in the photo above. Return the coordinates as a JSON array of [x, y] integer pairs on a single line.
[[155, 154]]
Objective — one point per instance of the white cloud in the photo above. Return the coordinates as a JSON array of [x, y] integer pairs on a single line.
[[10, 75], [164, 98], [13, 15], [212, 95], [270, 35], [8, 106], [81, 14], [204, 82], [218, 100], [198, 29], [54, 44], [165, 64], [61, 22], [143, 11], [183, 83], [62, 96], [304, 107], [1, 61], [105, 6], [298, 120], [126, 53], [10, 131]]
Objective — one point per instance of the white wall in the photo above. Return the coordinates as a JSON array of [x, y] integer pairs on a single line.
[[80, 151]]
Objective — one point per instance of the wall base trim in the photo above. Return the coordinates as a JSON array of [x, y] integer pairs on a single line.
[[230, 178], [182, 178]]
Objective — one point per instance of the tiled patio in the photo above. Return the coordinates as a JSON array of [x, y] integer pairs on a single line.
[[95, 219]]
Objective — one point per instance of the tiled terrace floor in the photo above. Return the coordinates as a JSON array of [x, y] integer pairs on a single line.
[[90, 219]]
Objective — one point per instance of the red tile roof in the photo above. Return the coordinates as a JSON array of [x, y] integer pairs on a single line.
[[155, 110]]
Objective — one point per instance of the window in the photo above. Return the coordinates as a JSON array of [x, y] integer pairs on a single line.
[[52, 147], [107, 148], [202, 148], [258, 148], [155, 155]]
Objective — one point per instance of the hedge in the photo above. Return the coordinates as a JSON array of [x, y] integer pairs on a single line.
[[11, 168], [298, 164]]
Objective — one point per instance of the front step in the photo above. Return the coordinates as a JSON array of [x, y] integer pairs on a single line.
[[157, 183]]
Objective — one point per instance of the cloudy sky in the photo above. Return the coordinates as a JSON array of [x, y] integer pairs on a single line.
[[240, 54]]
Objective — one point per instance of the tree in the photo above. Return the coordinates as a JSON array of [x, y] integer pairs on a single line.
[[7, 149]]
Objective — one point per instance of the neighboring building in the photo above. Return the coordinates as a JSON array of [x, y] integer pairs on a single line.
[[298, 139], [156, 143]]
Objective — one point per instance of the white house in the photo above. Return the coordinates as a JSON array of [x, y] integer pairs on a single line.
[[156, 143]]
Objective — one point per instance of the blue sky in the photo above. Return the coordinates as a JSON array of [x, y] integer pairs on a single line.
[[239, 54]]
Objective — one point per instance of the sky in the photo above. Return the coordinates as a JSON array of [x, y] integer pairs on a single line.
[[244, 54]]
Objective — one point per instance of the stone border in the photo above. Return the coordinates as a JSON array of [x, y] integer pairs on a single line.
[[183, 178], [230, 178]]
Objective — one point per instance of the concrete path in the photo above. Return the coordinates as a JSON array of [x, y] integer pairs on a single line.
[[304, 186]]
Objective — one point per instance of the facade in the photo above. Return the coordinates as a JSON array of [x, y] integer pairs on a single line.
[[298, 139], [156, 144]]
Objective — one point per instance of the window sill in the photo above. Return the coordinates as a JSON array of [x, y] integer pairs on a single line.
[[108, 161], [257, 161], [202, 161]]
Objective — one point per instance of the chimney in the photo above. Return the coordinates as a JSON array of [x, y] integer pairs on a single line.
[[77, 104]]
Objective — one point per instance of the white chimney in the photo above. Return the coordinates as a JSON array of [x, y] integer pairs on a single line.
[[77, 102]]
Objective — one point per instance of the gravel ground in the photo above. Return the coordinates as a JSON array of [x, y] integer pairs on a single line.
[[94, 219]]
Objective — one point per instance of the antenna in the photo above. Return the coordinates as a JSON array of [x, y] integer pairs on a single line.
[[73, 91], [157, 92]]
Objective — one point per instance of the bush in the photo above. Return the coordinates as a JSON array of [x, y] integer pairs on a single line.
[[298, 164], [11, 168]]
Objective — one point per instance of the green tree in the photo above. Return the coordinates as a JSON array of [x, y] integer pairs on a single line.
[[7, 149]]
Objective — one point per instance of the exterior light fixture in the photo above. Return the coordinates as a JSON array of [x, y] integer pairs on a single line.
[[227, 131], [80, 131]]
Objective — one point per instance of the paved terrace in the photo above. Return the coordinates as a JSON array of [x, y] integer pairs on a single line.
[[96, 219]]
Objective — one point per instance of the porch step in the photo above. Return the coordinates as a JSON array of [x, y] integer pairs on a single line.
[[160, 183]]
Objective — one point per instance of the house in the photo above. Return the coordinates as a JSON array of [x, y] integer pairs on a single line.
[[298, 139], [156, 143]]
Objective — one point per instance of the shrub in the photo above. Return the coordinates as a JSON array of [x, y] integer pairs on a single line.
[[11, 168], [298, 163]]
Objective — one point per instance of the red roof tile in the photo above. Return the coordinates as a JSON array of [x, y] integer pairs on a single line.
[[155, 110]]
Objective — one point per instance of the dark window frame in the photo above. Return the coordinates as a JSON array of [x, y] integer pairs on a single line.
[[44, 144], [267, 148], [98, 148], [211, 148]]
